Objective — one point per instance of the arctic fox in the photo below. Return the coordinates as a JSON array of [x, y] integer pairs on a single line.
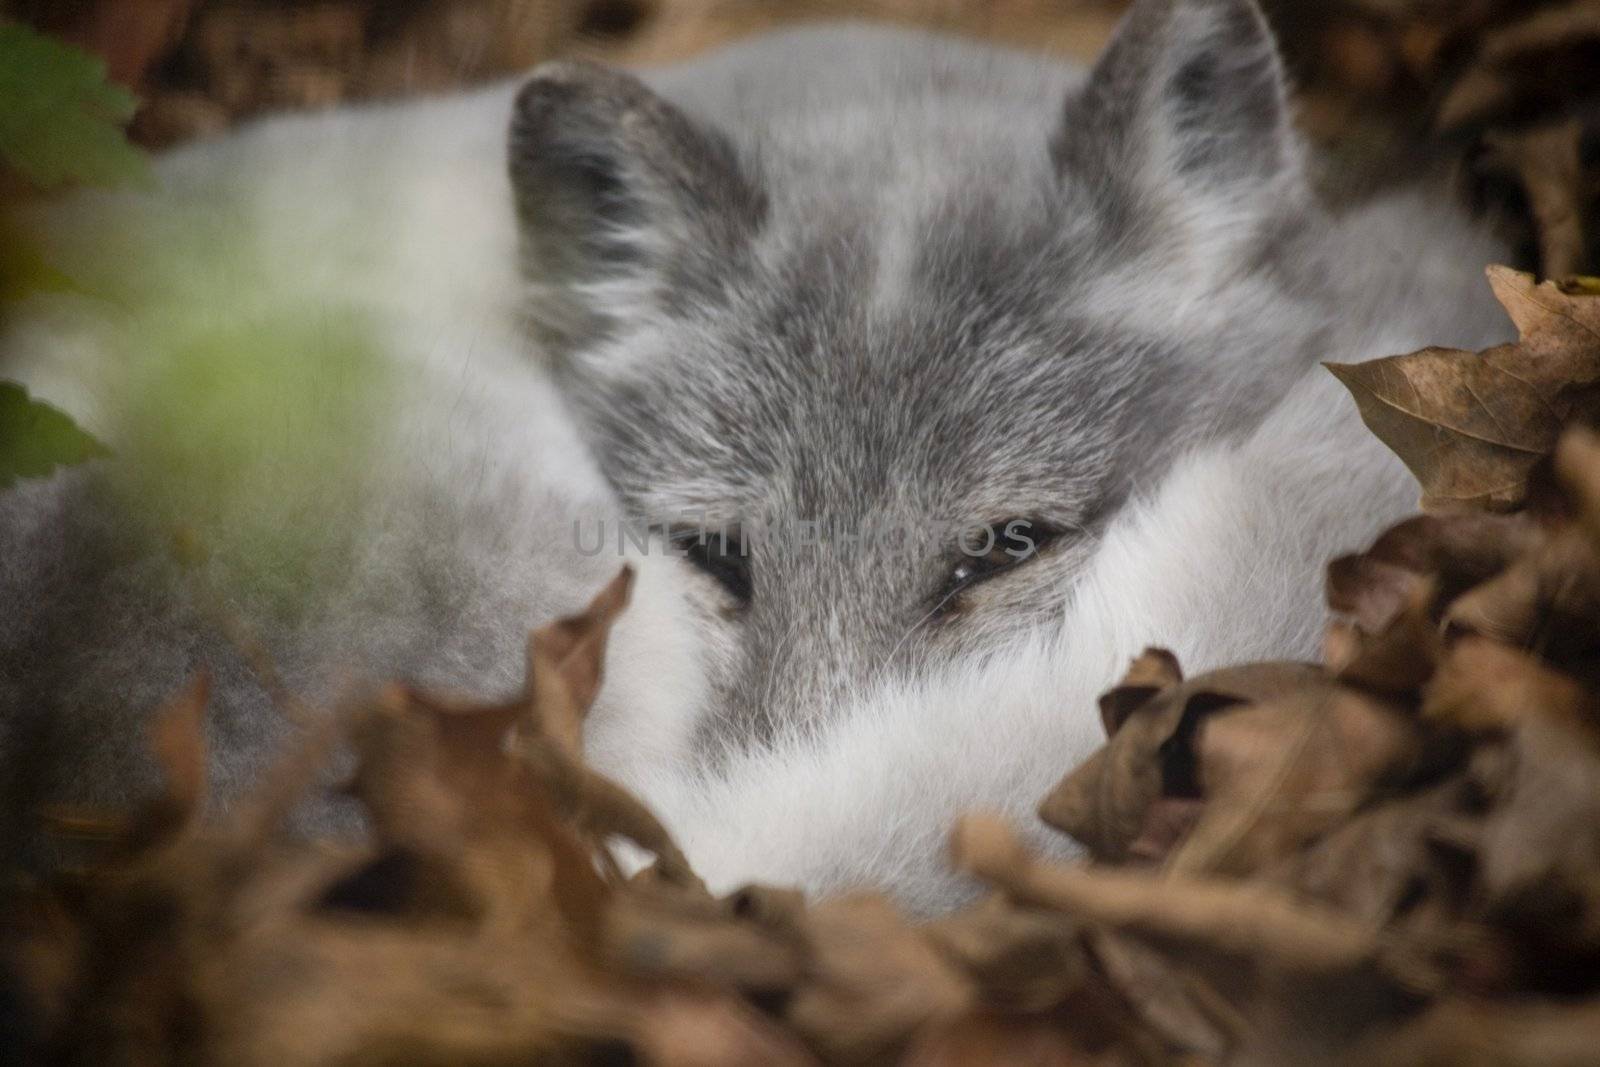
[[941, 377]]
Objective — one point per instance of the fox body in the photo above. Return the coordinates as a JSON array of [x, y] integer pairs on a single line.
[[1030, 355]]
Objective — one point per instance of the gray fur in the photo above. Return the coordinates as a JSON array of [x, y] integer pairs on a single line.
[[904, 314]]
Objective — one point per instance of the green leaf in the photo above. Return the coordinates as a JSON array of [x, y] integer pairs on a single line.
[[60, 120], [23, 269], [36, 438]]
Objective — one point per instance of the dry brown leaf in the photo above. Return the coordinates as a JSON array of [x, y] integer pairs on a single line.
[[1022, 960], [1454, 552], [1471, 426], [1373, 865], [477, 832], [1110, 799], [1373, 590], [997, 1041], [468, 824], [601, 807], [1534, 65], [1180, 1007], [177, 739], [1277, 774], [1267, 964], [670, 931], [1392, 594], [1547, 601], [873, 980], [1232, 769], [1577, 463], [1407, 865], [565, 659], [1482, 685], [1548, 163], [1461, 1033], [690, 1030], [1544, 829], [465, 932], [564, 672], [1248, 921], [404, 781], [1155, 669], [1396, 660], [130, 35]]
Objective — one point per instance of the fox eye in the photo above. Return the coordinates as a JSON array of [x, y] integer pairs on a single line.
[[993, 549], [720, 554]]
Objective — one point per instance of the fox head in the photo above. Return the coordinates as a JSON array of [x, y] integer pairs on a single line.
[[882, 335]]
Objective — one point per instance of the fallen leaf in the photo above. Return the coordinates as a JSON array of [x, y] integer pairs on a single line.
[[1548, 600], [1471, 426], [1372, 866], [1483, 685], [1242, 920], [1395, 660], [1545, 827], [1277, 774], [177, 740], [1453, 552], [1577, 462], [565, 658], [1107, 801], [1468, 1034], [996, 1041], [700, 1030], [1180, 1007], [873, 981], [1022, 960], [1548, 163], [673, 932], [1154, 670], [1528, 66]]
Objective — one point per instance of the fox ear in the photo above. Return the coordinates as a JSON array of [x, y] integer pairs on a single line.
[[620, 198], [1189, 107]]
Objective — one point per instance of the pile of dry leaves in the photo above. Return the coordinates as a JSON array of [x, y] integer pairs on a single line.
[[1514, 84], [1391, 858], [1510, 86], [203, 65]]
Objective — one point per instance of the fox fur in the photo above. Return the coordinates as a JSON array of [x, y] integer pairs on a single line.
[[843, 277]]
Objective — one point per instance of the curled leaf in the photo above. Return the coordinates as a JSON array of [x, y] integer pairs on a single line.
[[873, 981], [1471, 426], [1482, 685], [1242, 920], [565, 659], [1548, 599], [1154, 670], [1110, 799]]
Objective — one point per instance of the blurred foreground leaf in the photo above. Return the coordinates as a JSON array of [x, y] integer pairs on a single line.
[[60, 119], [23, 269], [36, 438], [230, 426]]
